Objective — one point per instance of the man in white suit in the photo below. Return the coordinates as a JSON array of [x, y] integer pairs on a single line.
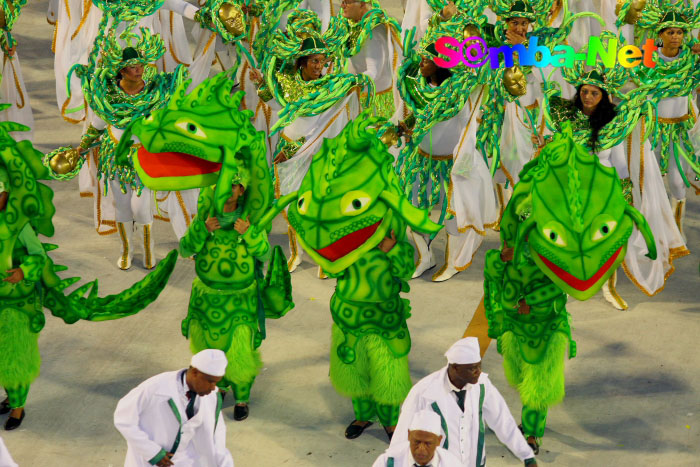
[[423, 446], [174, 418], [466, 402]]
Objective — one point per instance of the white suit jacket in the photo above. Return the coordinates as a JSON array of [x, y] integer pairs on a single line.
[[463, 431], [400, 456], [152, 420]]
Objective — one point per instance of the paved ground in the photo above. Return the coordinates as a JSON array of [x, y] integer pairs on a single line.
[[632, 393]]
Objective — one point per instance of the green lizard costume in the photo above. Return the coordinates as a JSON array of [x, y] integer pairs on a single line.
[[348, 202], [569, 223], [203, 140], [30, 211]]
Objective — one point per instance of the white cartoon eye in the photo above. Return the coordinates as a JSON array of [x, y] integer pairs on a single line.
[[553, 236], [604, 230], [191, 128], [354, 202], [303, 203]]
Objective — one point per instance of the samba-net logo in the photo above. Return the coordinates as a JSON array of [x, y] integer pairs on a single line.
[[474, 53]]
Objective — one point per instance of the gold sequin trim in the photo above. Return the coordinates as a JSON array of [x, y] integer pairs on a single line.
[[67, 118], [18, 85], [446, 157], [87, 4], [292, 245], [147, 246], [674, 119], [170, 42], [125, 244], [181, 202], [674, 253], [55, 33]]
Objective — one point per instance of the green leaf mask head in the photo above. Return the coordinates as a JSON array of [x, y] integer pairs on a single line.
[[350, 199], [202, 139], [579, 222]]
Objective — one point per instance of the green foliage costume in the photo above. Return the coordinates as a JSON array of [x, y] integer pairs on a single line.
[[348, 202], [499, 95], [199, 140], [428, 106], [569, 223], [30, 211]]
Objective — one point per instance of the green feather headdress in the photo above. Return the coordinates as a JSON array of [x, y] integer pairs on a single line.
[[148, 49], [661, 14], [303, 37], [458, 27], [507, 9], [609, 79]]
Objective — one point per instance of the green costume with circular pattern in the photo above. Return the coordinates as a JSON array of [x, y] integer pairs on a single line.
[[30, 211], [202, 140], [348, 202], [569, 224]]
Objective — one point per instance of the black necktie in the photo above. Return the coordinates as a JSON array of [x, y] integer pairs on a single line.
[[189, 410], [418, 465], [460, 398]]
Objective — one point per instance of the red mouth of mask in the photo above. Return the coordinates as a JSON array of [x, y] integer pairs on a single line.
[[348, 243], [174, 164], [575, 282]]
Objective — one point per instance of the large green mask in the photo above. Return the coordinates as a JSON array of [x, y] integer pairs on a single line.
[[203, 139], [350, 199], [577, 220]]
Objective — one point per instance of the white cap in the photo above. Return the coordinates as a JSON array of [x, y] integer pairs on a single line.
[[464, 351], [426, 420], [210, 361]]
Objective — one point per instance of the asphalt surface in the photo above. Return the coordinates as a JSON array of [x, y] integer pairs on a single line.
[[632, 391]]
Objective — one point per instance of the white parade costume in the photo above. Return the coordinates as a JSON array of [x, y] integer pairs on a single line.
[[464, 437], [153, 416]]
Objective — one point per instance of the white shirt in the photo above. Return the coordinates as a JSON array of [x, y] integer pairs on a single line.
[[464, 438], [152, 415]]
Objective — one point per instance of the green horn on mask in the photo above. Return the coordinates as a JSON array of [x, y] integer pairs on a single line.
[[644, 228], [522, 235], [275, 209], [417, 219]]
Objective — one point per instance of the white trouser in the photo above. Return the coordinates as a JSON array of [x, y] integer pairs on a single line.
[[130, 206]]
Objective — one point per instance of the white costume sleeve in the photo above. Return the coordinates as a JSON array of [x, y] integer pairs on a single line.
[[181, 7], [618, 160], [499, 419], [223, 455], [374, 51], [126, 420]]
